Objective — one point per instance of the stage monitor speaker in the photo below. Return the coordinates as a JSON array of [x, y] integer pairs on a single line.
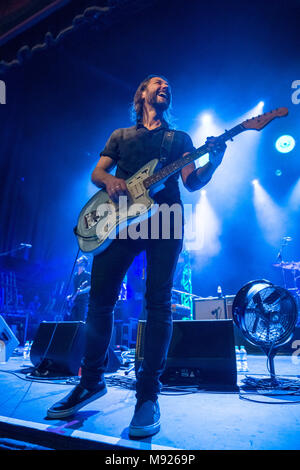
[[58, 347], [209, 308], [8, 340], [201, 352]]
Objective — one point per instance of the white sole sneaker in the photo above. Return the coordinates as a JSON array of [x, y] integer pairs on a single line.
[[144, 431], [65, 413]]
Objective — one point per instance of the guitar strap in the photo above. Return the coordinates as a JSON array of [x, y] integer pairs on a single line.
[[166, 146]]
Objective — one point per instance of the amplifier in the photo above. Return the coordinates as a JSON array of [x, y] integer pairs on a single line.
[[201, 352], [229, 303], [213, 308], [209, 308]]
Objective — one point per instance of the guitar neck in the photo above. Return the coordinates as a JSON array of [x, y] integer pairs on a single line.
[[176, 166]]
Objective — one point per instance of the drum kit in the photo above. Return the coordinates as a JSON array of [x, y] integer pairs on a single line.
[[292, 267]]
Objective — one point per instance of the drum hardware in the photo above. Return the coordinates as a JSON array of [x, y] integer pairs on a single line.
[[289, 266], [285, 265], [294, 268]]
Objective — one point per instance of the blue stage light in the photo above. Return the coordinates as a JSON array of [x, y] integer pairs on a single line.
[[278, 172], [285, 143]]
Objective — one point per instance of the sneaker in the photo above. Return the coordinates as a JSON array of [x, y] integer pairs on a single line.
[[76, 399], [146, 419]]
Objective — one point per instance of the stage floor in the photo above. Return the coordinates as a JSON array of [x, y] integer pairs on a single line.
[[190, 421]]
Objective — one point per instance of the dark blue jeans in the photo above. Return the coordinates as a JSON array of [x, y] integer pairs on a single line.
[[108, 271]]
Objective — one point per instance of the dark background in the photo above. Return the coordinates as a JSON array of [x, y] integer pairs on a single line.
[[63, 103]]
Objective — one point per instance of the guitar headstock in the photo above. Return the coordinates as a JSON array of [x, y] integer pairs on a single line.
[[259, 122]]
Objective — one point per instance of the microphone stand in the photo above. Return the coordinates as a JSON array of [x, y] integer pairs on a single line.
[[279, 258]]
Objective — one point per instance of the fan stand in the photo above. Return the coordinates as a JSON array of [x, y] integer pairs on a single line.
[[271, 353]]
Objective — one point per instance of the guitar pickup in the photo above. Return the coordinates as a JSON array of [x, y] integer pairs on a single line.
[[91, 219], [137, 189]]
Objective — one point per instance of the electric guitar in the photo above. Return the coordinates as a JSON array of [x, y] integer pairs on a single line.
[[101, 219], [71, 298]]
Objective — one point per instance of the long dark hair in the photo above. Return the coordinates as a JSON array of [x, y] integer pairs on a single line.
[[138, 102]]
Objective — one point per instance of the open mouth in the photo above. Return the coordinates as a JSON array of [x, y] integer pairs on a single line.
[[164, 95]]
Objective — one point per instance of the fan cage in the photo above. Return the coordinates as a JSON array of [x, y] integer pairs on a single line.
[[265, 313]]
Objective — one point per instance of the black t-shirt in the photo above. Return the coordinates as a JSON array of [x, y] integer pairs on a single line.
[[133, 147]]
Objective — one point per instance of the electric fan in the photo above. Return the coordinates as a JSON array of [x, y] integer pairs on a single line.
[[266, 315]]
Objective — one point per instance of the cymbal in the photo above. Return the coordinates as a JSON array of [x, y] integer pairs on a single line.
[[288, 265]]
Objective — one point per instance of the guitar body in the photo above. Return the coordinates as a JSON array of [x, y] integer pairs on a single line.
[[100, 220]]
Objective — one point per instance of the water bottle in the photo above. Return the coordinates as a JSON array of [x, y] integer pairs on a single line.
[[244, 359], [26, 350], [31, 343], [238, 359], [2, 352]]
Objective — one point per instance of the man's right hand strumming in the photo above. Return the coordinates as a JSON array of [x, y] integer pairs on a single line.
[[101, 177], [116, 187]]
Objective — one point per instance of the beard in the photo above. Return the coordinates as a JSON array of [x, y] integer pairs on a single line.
[[157, 102]]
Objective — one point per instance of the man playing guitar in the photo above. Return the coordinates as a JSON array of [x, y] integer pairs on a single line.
[[129, 149], [78, 300]]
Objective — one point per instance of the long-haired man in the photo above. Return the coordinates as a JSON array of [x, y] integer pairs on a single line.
[[129, 149]]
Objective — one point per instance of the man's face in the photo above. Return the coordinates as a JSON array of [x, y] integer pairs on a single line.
[[157, 93]]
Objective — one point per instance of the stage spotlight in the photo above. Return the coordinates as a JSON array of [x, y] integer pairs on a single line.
[[209, 124], [206, 127], [206, 118], [278, 172], [270, 217], [261, 104], [255, 182], [285, 143]]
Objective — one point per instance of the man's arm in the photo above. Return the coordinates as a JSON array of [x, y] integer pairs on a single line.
[[101, 177], [194, 179]]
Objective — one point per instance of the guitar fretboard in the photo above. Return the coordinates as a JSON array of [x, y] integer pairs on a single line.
[[176, 166]]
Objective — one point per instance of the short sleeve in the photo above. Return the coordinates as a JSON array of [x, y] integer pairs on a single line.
[[112, 147], [187, 143]]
